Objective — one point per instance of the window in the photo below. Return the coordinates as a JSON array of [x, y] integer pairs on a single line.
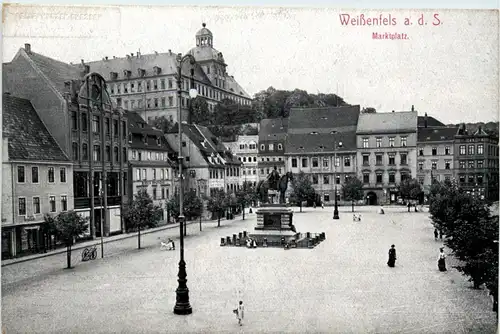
[[170, 101], [421, 179], [447, 150], [144, 174], [163, 101], [434, 165], [124, 129], [366, 160], [420, 151], [379, 142], [347, 161], [137, 174], [116, 154], [108, 153], [170, 83], [392, 159], [337, 179], [156, 102], [315, 179], [403, 141], [471, 179], [392, 178], [262, 147], [378, 159], [148, 86], [74, 121], [96, 123], [52, 203], [471, 164], [154, 173], [326, 179], [124, 154], [462, 150], [379, 177], [115, 127], [62, 175], [280, 147], [470, 149], [22, 206], [154, 193], [434, 151], [21, 177], [271, 147], [462, 164], [85, 152], [447, 177], [64, 203], [149, 155], [404, 158], [480, 149], [36, 205], [162, 193], [479, 179], [462, 178], [480, 164], [315, 162], [366, 178], [51, 175], [34, 174], [420, 166], [365, 142], [97, 153], [84, 122], [391, 141], [304, 162], [337, 161], [252, 146]]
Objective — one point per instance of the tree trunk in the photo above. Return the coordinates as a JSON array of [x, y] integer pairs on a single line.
[[352, 206], [139, 238], [243, 208], [218, 219], [68, 256], [200, 223], [300, 205]]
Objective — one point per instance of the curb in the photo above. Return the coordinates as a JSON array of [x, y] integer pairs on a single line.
[[63, 250]]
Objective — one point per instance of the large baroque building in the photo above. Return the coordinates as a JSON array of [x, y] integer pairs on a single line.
[[150, 163], [386, 153], [321, 142], [146, 83], [36, 178], [75, 106]]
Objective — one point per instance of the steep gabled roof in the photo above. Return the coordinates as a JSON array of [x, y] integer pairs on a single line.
[[436, 134], [306, 143], [304, 120], [141, 131], [28, 138], [273, 129], [389, 122], [431, 122]]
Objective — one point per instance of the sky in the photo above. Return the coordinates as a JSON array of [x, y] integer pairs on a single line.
[[449, 70]]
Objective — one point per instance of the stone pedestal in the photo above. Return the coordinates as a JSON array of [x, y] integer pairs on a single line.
[[273, 223]]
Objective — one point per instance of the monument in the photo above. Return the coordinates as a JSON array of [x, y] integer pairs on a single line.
[[274, 218]]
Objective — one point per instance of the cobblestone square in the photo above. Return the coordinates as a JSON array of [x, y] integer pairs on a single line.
[[341, 286]]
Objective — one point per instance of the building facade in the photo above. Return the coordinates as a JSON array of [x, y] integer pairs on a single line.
[[150, 164], [37, 178], [147, 83], [435, 159], [386, 153], [245, 148], [476, 162], [321, 142], [75, 106], [272, 139]]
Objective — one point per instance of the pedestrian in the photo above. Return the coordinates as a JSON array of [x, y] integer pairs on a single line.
[[409, 206], [322, 205], [240, 313], [435, 234], [392, 256], [314, 204], [441, 235], [441, 260], [172, 244]]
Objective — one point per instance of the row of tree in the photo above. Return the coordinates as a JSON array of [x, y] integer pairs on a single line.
[[471, 232]]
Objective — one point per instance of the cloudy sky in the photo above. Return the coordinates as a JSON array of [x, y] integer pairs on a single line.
[[449, 70]]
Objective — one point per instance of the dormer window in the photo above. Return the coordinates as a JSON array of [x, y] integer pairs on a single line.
[[301, 147], [313, 133], [156, 70], [113, 75], [262, 147], [141, 72], [127, 73], [280, 147], [158, 141]]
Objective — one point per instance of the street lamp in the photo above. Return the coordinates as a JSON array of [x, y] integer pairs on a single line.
[[182, 305], [335, 145], [101, 195]]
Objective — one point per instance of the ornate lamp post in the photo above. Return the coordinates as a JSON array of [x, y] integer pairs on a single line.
[[182, 305], [335, 146]]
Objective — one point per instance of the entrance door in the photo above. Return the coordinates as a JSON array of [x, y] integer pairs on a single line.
[[371, 198]]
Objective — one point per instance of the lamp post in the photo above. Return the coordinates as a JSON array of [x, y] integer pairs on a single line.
[[101, 194], [336, 208], [182, 305]]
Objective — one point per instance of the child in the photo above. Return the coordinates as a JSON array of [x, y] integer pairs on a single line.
[[240, 313]]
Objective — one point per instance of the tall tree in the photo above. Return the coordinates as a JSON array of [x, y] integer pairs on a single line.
[[302, 188], [142, 212], [192, 205], [68, 226], [353, 190], [163, 124], [217, 204], [245, 196], [199, 112], [410, 189]]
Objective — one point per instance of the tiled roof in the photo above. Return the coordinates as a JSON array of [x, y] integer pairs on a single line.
[[138, 125], [305, 120], [56, 71], [273, 129], [389, 122], [217, 144], [139, 128], [306, 143], [436, 134], [28, 138], [431, 122], [165, 61]]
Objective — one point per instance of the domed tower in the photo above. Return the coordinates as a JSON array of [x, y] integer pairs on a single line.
[[208, 58]]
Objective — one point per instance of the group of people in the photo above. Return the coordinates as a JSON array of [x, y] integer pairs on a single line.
[[441, 258], [251, 243]]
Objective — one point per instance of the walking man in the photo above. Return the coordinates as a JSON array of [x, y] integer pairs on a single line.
[[240, 313]]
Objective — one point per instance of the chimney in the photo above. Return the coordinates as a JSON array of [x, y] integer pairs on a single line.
[[425, 120], [138, 54], [106, 57], [412, 107], [27, 48], [169, 51], [83, 62], [132, 54], [393, 111]]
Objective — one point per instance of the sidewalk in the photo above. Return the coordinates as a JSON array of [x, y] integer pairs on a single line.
[[95, 242]]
